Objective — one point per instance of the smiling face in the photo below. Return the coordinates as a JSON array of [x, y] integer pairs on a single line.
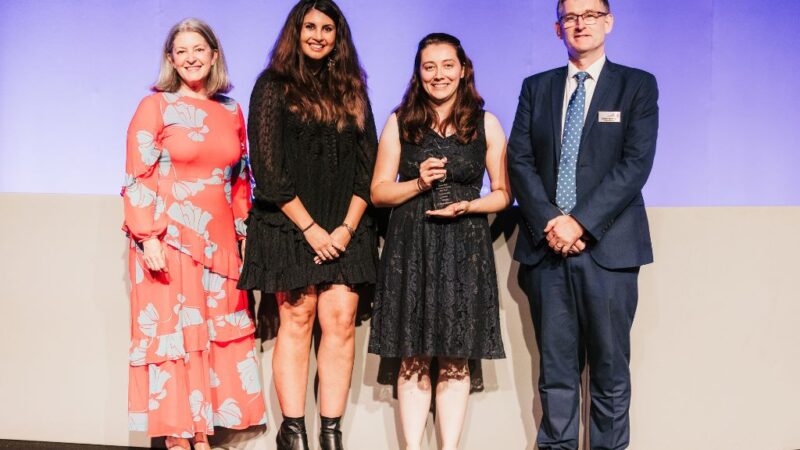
[[440, 72], [192, 58], [584, 42], [317, 35]]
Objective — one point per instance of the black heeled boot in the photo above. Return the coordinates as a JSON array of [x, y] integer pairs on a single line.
[[330, 433], [292, 434]]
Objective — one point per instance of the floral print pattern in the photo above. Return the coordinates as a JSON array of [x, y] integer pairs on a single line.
[[192, 355], [187, 116]]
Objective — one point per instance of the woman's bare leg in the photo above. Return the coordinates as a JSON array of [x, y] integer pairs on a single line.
[[292, 348], [452, 393], [337, 314], [414, 396]]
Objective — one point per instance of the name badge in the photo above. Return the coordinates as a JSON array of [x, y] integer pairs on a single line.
[[609, 116]]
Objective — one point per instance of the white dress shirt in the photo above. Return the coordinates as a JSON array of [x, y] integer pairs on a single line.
[[590, 83]]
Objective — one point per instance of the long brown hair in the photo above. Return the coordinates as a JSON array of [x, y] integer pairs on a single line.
[[338, 94], [416, 113]]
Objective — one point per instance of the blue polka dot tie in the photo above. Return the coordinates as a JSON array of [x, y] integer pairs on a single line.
[[566, 191]]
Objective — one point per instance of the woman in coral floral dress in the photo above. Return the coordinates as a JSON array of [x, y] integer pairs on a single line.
[[193, 362]]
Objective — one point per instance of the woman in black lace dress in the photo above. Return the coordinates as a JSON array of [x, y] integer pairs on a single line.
[[437, 289], [312, 146]]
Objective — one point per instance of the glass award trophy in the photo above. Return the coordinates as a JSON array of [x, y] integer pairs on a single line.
[[442, 190]]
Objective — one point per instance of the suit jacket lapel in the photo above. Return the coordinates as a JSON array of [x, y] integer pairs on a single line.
[[557, 85], [607, 82]]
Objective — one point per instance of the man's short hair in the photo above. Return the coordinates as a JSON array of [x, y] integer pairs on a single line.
[[558, 7]]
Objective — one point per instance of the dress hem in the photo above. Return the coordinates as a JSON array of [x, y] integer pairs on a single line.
[[254, 277], [435, 355]]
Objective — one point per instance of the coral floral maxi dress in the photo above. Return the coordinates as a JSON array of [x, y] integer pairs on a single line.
[[193, 361]]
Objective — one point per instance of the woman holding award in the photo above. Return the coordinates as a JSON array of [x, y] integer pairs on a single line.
[[437, 290]]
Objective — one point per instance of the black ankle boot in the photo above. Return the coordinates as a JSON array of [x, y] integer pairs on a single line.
[[330, 433], [292, 434]]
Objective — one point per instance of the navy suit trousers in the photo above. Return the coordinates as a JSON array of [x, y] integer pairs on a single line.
[[582, 313]]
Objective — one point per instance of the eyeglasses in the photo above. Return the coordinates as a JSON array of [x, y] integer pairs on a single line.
[[589, 18]]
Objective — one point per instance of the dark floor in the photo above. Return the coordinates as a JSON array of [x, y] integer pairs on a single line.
[[36, 445]]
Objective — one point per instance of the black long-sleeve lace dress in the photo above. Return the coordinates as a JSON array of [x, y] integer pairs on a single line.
[[437, 289], [324, 168]]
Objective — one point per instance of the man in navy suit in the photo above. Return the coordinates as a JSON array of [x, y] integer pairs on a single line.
[[580, 151]]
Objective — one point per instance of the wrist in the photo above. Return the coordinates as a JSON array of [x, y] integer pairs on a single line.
[[421, 185], [308, 227], [581, 230], [350, 229]]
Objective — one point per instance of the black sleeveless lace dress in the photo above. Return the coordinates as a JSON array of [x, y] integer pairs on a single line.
[[436, 293]]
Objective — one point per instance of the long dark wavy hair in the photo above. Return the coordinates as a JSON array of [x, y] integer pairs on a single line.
[[416, 113], [338, 93]]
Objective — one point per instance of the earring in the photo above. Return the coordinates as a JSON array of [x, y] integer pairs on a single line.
[[331, 62]]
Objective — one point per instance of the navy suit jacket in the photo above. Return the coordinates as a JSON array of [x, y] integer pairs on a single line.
[[614, 162]]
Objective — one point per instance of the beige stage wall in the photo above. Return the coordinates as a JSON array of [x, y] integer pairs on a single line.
[[715, 360]]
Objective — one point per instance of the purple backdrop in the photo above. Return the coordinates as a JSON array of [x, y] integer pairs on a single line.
[[72, 72]]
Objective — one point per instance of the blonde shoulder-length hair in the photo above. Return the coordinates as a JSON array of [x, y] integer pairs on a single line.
[[168, 80]]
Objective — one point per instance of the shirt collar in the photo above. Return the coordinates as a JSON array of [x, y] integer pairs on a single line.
[[593, 70]]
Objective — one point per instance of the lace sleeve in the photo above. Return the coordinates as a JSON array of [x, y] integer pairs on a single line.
[[267, 149], [365, 163]]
